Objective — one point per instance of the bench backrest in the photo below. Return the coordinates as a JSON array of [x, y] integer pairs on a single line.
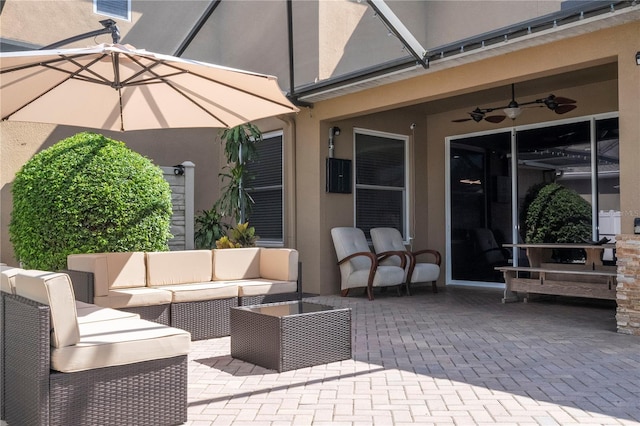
[[178, 267], [111, 270], [55, 290]]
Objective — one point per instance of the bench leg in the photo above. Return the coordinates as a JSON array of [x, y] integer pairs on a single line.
[[509, 296]]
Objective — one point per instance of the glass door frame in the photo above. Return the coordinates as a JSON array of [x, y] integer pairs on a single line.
[[451, 140]]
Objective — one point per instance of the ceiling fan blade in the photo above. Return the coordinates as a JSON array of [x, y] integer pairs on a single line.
[[495, 118], [460, 120], [562, 109], [560, 100]]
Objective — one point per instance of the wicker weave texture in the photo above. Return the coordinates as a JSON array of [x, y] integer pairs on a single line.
[[203, 319], [293, 341], [147, 393], [156, 313], [267, 298]]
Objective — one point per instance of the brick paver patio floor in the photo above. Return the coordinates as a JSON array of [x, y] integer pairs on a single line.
[[456, 357]]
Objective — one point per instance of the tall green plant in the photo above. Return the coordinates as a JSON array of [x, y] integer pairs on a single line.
[[239, 147]]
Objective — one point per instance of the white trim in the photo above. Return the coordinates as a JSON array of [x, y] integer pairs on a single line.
[[406, 232], [450, 141], [127, 18]]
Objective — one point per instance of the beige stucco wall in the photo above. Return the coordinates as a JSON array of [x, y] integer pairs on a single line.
[[614, 45]]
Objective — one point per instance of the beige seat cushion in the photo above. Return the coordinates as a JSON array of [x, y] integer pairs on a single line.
[[236, 264], [133, 297], [120, 342], [53, 289], [8, 278], [201, 291], [178, 267], [91, 313], [261, 287], [111, 270], [279, 264]]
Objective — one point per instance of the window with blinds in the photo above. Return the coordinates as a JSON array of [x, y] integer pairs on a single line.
[[381, 181], [115, 8], [267, 190]]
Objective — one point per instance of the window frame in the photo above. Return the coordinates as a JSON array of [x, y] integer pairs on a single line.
[[264, 242], [406, 190], [99, 12]]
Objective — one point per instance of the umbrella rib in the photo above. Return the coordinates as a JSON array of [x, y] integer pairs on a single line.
[[72, 75], [168, 83]]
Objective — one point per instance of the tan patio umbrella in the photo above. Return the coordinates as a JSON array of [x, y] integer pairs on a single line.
[[118, 87]]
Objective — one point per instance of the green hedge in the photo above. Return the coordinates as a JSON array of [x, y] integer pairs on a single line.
[[557, 215], [88, 194]]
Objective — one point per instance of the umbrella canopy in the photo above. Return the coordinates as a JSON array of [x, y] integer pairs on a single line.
[[117, 87]]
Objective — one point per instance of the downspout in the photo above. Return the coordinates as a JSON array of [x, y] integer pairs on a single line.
[[197, 27], [292, 88]]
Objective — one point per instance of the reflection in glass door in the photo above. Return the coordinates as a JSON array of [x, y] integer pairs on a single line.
[[484, 212], [480, 206]]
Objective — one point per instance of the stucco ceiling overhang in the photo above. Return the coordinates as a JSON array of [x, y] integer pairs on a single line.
[[406, 68]]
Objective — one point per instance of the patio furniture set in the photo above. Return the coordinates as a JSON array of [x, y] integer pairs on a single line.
[[67, 361], [390, 264]]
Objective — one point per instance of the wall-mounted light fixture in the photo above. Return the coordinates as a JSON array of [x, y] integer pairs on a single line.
[[333, 131], [178, 170], [637, 58]]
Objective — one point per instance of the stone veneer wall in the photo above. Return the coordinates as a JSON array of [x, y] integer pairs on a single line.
[[628, 290]]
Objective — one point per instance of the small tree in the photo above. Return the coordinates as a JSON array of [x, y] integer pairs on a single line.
[[88, 194], [558, 215], [239, 148]]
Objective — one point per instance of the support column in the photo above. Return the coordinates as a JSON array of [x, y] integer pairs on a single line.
[[628, 290]]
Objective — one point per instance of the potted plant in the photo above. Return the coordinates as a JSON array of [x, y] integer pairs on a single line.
[[242, 235]]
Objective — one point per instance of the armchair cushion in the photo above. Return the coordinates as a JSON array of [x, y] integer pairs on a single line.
[[8, 278], [55, 290], [111, 270], [236, 264]]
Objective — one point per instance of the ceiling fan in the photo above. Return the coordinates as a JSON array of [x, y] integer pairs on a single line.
[[556, 104]]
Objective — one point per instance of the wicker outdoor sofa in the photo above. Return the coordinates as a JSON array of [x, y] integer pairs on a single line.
[[191, 289], [70, 363]]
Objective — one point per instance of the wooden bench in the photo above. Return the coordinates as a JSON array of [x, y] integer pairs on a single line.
[[595, 284]]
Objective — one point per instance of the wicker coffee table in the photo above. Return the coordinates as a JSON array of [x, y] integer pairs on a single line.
[[290, 335]]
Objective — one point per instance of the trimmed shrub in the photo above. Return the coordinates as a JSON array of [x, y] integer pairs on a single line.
[[88, 194], [558, 215]]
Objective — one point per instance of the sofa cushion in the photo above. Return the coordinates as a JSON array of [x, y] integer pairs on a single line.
[[261, 287], [196, 292], [8, 278], [236, 264], [133, 297], [120, 342], [279, 264], [91, 313], [53, 289], [178, 267], [111, 270]]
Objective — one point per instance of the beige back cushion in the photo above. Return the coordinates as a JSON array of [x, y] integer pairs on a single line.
[[111, 270], [279, 264], [53, 289], [236, 264], [7, 278], [178, 267]]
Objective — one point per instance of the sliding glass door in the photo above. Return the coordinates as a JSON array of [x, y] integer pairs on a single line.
[[493, 177]]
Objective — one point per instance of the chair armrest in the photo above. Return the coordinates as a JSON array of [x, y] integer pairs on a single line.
[[401, 254], [374, 259], [82, 283], [434, 253]]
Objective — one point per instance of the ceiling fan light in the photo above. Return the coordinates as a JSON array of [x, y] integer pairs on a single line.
[[512, 113]]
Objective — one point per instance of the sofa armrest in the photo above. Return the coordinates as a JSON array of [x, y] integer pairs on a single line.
[[83, 284]]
